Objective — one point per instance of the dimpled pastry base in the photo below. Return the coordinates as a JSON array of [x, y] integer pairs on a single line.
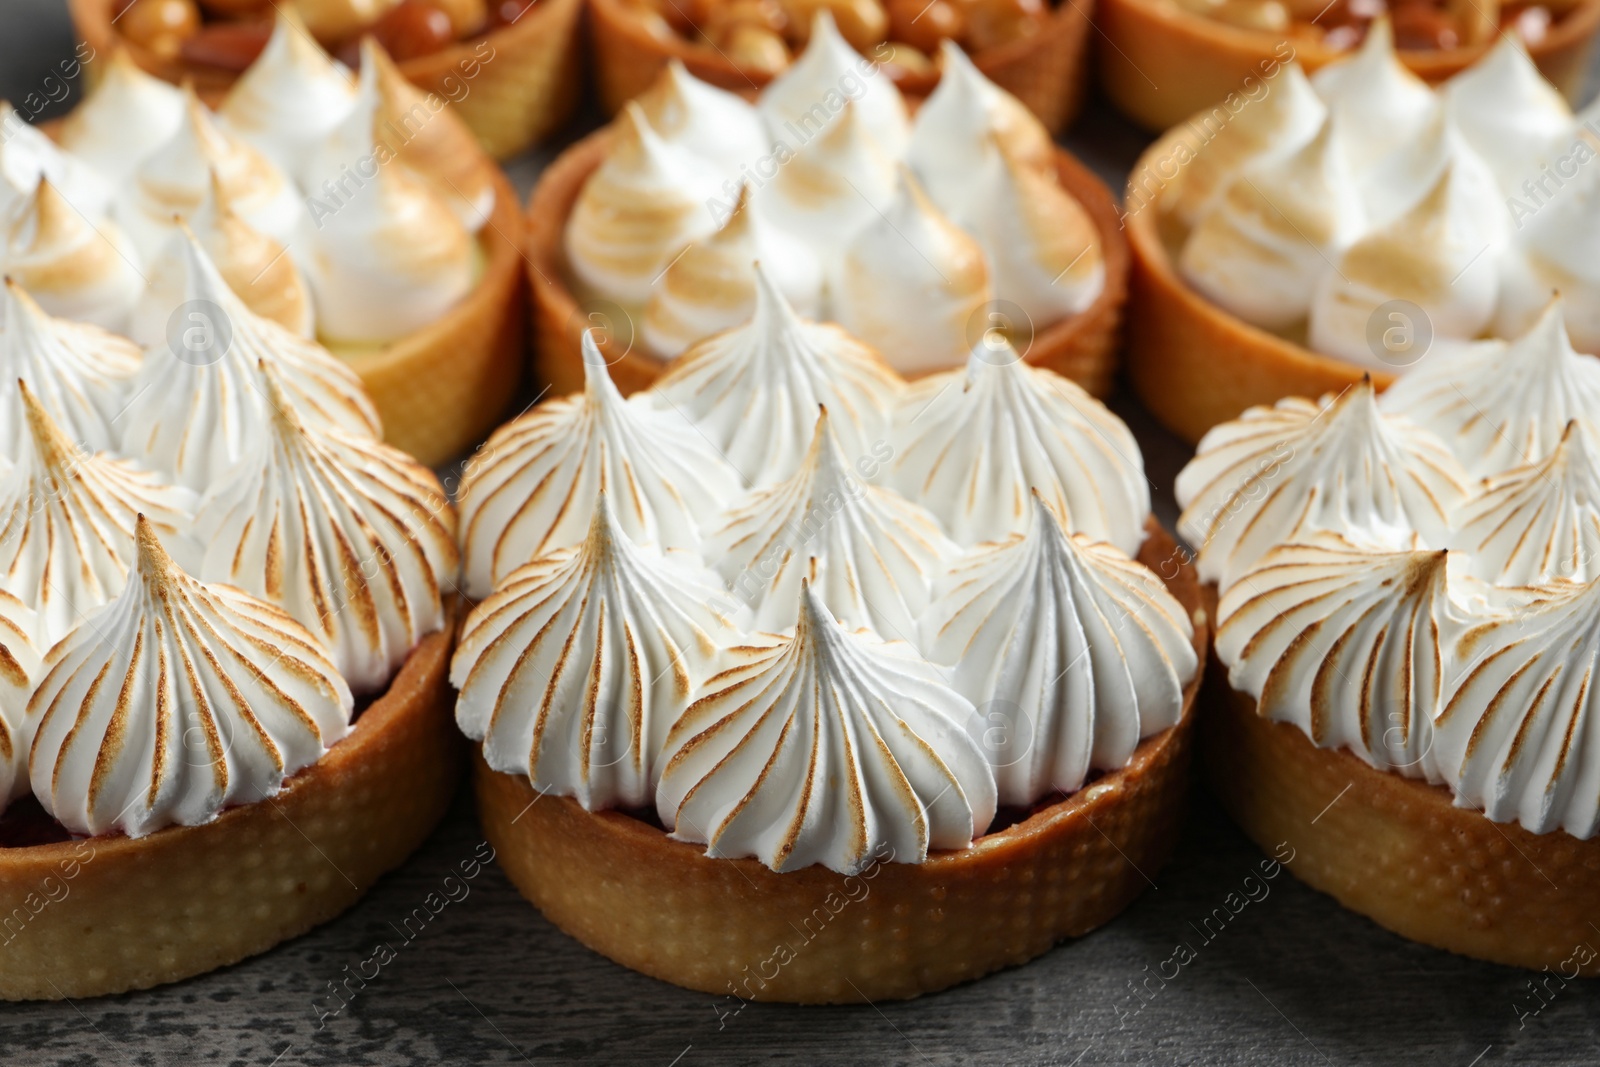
[[1046, 71], [108, 914], [1198, 61], [897, 930], [1398, 850], [1082, 347]]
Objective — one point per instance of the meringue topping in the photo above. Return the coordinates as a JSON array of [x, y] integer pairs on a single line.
[[912, 284], [1341, 464], [575, 669], [810, 95], [831, 748], [976, 443], [533, 486], [75, 268], [176, 700], [1553, 252], [19, 666], [1071, 649], [1375, 100], [124, 118], [754, 391], [831, 186], [1402, 178], [1510, 115], [351, 537], [712, 123], [28, 156], [868, 551]]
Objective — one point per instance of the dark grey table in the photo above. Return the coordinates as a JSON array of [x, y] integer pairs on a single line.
[[1292, 979]]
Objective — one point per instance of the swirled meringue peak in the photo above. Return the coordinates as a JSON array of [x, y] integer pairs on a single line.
[[646, 202], [28, 156], [1534, 524], [67, 521], [976, 443], [1078, 650], [912, 284], [712, 285], [78, 373], [351, 537], [829, 747], [1397, 183], [75, 268], [534, 487], [1263, 246], [718, 126], [575, 669], [290, 98], [19, 666], [961, 129], [176, 700], [1349, 642], [826, 75], [1375, 100], [754, 391], [176, 179], [1500, 405], [1510, 115], [832, 185], [866, 549], [1281, 473], [126, 116], [198, 401]]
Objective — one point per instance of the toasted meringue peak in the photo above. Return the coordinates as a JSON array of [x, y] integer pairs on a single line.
[[176, 700], [831, 185], [1376, 102], [1347, 641], [290, 98], [869, 551], [1507, 111], [19, 666], [75, 268], [1073, 650], [1440, 256], [754, 391], [912, 284], [712, 285], [198, 400], [1500, 405], [714, 124], [67, 519], [1263, 246], [1280, 473], [351, 537], [828, 73], [961, 129], [1279, 121], [1534, 524], [252, 264], [176, 179], [28, 156], [78, 373], [534, 487], [575, 669], [638, 210], [830, 747], [976, 443], [1041, 246], [124, 118], [1516, 734], [1399, 181]]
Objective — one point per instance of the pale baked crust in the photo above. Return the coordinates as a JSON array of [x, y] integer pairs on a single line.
[[528, 89], [109, 914], [1083, 347], [1047, 71], [1160, 64], [625, 889]]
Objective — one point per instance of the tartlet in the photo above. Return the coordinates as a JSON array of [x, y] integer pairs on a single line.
[[703, 278], [1200, 61], [513, 85], [1418, 236], [1401, 694], [960, 754]]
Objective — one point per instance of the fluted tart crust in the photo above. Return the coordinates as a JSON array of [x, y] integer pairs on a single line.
[[897, 930]]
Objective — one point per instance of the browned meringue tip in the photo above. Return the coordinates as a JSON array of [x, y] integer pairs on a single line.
[[152, 560]]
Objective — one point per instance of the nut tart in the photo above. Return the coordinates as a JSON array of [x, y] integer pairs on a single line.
[[1354, 223], [649, 228], [962, 749], [1406, 694], [226, 618]]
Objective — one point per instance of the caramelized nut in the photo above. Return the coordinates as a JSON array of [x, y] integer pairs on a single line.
[[413, 28], [227, 45], [923, 24], [897, 57], [160, 25], [861, 22], [997, 22], [468, 18], [768, 14], [1423, 27], [754, 48]]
